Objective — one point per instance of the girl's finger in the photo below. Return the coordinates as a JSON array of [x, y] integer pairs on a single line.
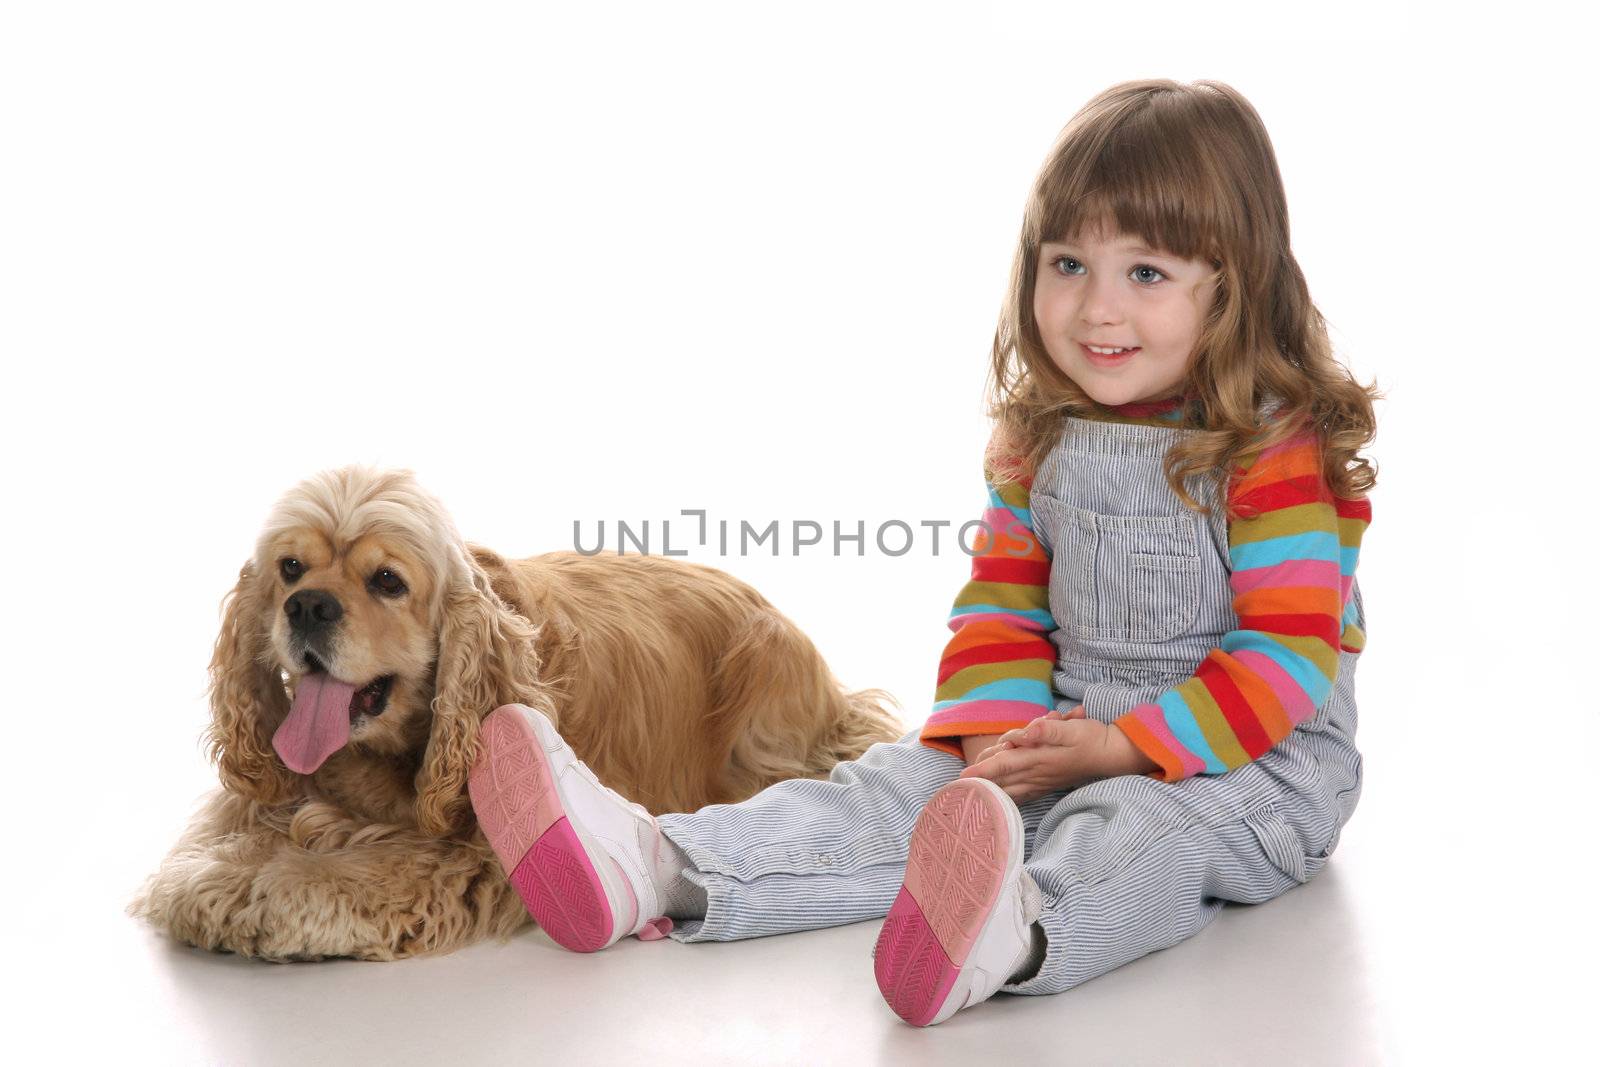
[[1032, 733], [995, 768], [1038, 733]]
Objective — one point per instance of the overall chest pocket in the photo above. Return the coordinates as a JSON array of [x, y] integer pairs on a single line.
[[1121, 578]]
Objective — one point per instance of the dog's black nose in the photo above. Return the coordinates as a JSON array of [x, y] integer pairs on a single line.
[[311, 610]]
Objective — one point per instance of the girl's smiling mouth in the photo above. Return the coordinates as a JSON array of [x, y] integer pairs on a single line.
[[1108, 360]]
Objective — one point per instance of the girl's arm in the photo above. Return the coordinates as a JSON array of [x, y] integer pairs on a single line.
[[1293, 559], [995, 673]]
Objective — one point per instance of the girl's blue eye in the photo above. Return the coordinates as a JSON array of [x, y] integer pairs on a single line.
[[1063, 259], [1137, 268]]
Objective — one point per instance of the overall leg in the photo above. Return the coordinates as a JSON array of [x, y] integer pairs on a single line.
[[1130, 865], [803, 854]]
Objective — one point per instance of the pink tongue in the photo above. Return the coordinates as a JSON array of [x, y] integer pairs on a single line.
[[318, 725]]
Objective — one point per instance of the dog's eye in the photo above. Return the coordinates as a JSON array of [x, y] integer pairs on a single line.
[[290, 568], [388, 583]]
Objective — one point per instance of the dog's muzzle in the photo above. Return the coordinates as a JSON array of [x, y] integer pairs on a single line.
[[312, 612]]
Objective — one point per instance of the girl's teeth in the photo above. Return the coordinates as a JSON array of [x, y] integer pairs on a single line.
[[1105, 351]]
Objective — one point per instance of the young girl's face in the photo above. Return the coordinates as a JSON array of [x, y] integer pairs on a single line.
[[1108, 292]]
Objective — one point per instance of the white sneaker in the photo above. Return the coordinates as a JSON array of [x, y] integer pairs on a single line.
[[577, 852], [960, 927]]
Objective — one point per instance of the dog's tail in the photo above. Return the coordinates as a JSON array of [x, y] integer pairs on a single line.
[[780, 712], [864, 718]]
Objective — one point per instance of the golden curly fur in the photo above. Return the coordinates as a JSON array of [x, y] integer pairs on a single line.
[[677, 683]]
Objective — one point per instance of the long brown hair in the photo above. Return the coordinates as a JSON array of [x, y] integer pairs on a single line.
[[1191, 171]]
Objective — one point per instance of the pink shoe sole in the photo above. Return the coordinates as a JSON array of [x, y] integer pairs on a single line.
[[514, 796], [954, 874]]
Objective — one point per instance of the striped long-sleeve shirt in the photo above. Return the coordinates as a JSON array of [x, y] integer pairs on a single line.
[[1292, 555]]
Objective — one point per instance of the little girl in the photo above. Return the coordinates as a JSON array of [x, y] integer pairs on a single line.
[[1147, 707]]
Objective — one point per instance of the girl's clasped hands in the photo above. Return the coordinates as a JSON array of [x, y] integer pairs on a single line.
[[1053, 753]]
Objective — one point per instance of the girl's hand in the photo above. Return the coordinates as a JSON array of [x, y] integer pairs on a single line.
[[1056, 752], [1012, 738]]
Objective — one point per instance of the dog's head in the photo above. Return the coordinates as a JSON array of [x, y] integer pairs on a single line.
[[363, 622]]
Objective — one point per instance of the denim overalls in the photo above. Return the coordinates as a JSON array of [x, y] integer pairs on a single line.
[[1128, 865]]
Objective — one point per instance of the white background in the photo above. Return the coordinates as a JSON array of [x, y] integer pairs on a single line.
[[749, 259]]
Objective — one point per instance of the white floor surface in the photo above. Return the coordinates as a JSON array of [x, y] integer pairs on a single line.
[[1299, 963]]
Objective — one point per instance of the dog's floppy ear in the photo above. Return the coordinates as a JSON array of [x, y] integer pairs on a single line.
[[248, 700], [487, 657]]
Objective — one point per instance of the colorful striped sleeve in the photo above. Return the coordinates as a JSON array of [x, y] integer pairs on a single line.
[[1293, 557], [995, 673]]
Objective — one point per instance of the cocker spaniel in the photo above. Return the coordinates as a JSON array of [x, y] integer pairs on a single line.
[[360, 649]]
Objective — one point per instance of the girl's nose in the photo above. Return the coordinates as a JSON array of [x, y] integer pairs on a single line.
[[1102, 302]]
